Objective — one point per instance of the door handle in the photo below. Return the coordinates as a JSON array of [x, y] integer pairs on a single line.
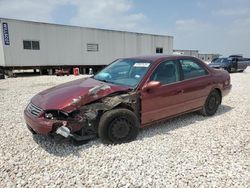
[[179, 92]]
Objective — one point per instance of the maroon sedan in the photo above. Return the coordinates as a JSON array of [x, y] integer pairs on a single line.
[[127, 95]]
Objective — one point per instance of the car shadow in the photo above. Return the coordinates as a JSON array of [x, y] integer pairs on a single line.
[[65, 147], [165, 127], [61, 148]]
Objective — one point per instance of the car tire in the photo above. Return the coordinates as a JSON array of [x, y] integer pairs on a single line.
[[212, 103], [229, 69], [118, 126]]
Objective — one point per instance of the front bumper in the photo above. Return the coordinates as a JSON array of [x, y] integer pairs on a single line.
[[46, 127], [38, 125]]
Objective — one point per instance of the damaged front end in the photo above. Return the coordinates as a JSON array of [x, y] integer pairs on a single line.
[[76, 125], [81, 124]]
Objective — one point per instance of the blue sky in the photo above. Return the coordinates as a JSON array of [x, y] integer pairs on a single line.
[[210, 26]]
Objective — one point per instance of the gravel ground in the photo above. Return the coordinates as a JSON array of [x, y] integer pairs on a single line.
[[188, 151]]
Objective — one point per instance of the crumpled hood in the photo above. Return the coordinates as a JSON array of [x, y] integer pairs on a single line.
[[62, 96]]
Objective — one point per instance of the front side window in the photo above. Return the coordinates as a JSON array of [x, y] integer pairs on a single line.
[[127, 72], [191, 69], [166, 73]]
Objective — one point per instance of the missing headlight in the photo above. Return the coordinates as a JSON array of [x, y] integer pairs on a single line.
[[48, 115], [55, 114]]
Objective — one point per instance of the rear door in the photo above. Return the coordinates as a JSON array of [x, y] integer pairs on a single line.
[[186, 91], [196, 83]]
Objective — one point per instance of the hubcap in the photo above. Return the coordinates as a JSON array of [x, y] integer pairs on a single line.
[[120, 128], [212, 103]]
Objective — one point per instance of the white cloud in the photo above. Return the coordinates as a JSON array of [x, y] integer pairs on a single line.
[[232, 12], [114, 14], [225, 39], [201, 4], [34, 10], [190, 25]]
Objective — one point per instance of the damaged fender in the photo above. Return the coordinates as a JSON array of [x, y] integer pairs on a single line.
[[85, 118]]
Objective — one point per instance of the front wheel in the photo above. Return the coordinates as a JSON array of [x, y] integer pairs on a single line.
[[118, 126], [228, 69], [212, 103]]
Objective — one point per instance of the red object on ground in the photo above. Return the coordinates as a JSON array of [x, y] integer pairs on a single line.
[[76, 71]]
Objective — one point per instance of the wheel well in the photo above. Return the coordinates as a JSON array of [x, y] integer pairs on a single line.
[[123, 105], [219, 91]]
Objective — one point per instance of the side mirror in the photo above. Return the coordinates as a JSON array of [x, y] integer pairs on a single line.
[[151, 85]]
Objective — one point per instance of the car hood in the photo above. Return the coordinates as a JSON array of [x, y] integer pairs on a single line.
[[217, 64], [68, 96]]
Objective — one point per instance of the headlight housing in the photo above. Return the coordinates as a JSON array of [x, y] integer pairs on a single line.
[[55, 114], [48, 115]]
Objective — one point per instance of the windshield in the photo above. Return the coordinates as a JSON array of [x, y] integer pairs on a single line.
[[221, 60], [127, 72]]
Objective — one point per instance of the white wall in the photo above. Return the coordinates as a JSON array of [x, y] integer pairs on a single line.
[[66, 45], [2, 63]]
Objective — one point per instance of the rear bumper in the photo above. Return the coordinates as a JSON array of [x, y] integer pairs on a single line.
[[226, 90], [38, 125]]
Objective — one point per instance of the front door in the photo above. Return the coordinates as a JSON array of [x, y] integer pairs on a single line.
[[163, 101]]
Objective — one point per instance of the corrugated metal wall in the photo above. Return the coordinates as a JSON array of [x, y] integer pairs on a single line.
[[2, 63], [66, 45]]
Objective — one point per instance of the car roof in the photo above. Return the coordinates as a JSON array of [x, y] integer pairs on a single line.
[[156, 58]]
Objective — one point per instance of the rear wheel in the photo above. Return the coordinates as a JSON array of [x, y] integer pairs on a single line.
[[118, 126], [212, 103]]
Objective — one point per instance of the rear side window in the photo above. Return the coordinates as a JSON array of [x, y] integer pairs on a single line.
[[192, 69], [166, 73]]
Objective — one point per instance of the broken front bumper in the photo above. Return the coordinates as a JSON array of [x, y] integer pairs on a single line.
[[38, 125], [51, 127]]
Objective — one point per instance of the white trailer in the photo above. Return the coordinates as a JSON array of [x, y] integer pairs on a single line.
[[35, 45]]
